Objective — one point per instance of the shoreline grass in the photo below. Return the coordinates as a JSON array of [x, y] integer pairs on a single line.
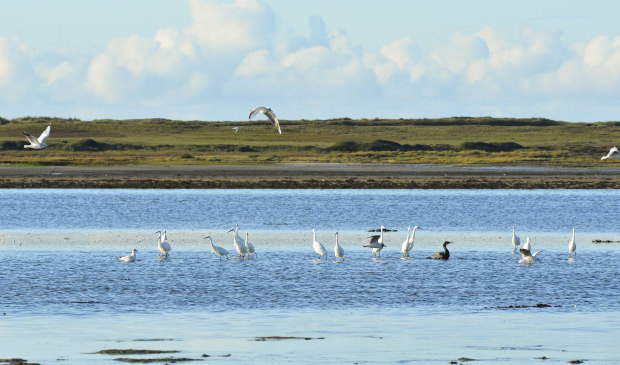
[[456, 140]]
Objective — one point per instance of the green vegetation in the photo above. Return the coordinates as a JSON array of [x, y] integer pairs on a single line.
[[457, 140]]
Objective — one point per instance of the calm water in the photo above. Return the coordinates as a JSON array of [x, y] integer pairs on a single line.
[[438, 210], [60, 275]]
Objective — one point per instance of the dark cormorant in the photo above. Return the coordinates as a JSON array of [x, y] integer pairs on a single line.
[[442, 255]]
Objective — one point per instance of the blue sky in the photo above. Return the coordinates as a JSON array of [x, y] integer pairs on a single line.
[[214, 60]]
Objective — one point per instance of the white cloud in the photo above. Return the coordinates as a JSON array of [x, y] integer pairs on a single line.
[[240, 26], [231, 54]]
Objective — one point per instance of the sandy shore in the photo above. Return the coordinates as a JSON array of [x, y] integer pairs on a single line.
[[314, 176]]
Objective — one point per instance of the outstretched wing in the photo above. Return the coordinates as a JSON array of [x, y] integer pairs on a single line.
[[32, 139], [536, 253], [274, 120], [45, 134], [254, 111]]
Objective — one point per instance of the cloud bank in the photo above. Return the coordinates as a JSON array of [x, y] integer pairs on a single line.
[[233, 56]]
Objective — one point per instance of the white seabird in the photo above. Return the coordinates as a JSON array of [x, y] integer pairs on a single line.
[[38, 143], [129, 258], [269, 113], [613, 153]]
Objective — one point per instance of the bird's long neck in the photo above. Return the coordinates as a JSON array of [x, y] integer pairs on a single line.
[[573, 234], [413, 233]]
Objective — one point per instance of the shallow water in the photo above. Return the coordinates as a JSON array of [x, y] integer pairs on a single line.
[[65, 295]]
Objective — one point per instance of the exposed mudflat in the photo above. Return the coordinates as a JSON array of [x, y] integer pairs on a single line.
[[313, 176]]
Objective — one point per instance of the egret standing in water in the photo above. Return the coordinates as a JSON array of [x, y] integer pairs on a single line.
[[613, 153], [129, 258], [318, 246], [442, 255], [527, 257], [162, 244], [220, 251], [376, 242], [249, 247], [269, 113], [238, 242], [338, 250], [572, 246], [404, 249], [38, 143], [528, 244], [410, 241], [516, 241]]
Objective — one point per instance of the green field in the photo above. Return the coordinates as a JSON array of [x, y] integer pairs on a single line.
[[457, 140]]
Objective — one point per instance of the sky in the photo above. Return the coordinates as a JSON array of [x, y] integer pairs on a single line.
[[310, 59]]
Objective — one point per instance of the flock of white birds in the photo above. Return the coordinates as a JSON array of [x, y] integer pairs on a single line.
[[375, 242]]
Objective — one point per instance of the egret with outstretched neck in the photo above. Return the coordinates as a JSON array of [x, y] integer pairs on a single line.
[[404, 249], [163, 246], [338, 250], [572, 246], [318, 246], [238, 242], [249, 247], [220, 251]]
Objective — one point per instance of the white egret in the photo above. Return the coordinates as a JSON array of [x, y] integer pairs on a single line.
[[269, 113], [572, 246], [516, 241], [442, 255], [162, 244], [238, 242], [38, 143], [129, 258], [318, 246], [235, 129], [613, 153], [404, 250], [410, 241], [338, 250], [249, 247], [528, 244], [220, 251], [376, 242], [527, 257]]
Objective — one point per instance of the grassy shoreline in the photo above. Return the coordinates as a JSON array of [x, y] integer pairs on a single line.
[[458, 140]]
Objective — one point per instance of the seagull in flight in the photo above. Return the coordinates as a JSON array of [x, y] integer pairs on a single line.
[[269, 113], [613, 153], [236, 129], [38, 143]]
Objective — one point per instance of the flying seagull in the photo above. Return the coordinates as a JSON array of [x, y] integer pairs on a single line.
[[236, 129], [269, 113], [613, 153], [37, 143]]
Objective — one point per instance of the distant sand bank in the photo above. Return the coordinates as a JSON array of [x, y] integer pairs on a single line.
[[314, 176]]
